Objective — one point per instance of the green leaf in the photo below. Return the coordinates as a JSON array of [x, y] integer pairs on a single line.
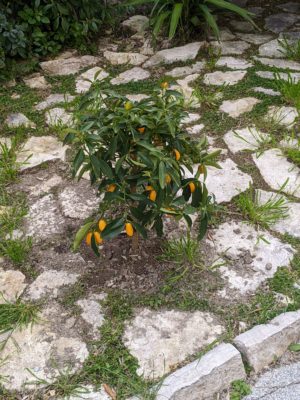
[[81, 234], [234, 8], [210, 19], [140, 229], [100, 165], [294, 347], [203, 227], [176, 15], [113, 229], [94, 246], [79, 159], [159, 22], [162, 174]]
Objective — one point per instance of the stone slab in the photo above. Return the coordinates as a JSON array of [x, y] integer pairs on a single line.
[[244, 139], [220, 78], [85, 80], [188, 70], [233, 63], [58, 117], [235, 108], [17, 120], [231, 47], [133, 75], [12, 285], [279, 63], [54, 99], [125, 58], [283, 75], [68, 66]]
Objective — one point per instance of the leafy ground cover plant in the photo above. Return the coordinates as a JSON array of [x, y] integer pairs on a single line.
[[290, 49], [138, 155], [182, 16], [290, 89]]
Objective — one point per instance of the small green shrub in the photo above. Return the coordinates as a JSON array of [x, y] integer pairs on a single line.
[[138, 154], [239, 389], [185, 15]]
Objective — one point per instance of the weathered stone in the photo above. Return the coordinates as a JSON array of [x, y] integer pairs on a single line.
[[277, 384], [201, 379], [5, 141], [89, 393], [44, 219], [188, 70], [183, 86], [46, 348], [277, 172], [295, 76], [245, 139], [263, 344], [284, 64], [15, 96], [280, 22], [78, 201], [16, 120], [269, 92], [289, 224], [224, 183], [231, 47], [136, 23], [191, 117], [162, 339], [291, 7], [46, 186], [224, 35], [54, 99], [220, 78], [195, 129], [39, 149], [12, 285], [85, 80], [271, 49], [37, 81], [125, 58], [68, 66], [136, 97], [58, 116], [233, 63], [251, 260], [234, 108], [291, 36], [132, 75], [254, 38], [175, 54], [242, 26], [92, 312], [286, 116]]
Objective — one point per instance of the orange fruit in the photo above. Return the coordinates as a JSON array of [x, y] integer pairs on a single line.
[[149, 188], [141, 130], [164, 85], [129, 229], [152, 195], [177, 154], [102, 225], [168, 179], [111, 188], [98, 238], [192, 187], [88, 238], [128, 105]]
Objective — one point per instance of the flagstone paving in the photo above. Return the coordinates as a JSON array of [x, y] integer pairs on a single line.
[[150, 315]]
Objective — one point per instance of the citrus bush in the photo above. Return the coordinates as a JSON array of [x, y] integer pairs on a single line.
[[138, 155]]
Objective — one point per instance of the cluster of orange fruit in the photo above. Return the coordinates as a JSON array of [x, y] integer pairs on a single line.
[[102, 225]]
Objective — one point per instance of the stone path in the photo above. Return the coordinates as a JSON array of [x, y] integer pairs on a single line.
[[236, 102]]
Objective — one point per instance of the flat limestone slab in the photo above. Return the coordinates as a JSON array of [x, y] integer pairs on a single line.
[[37, 81], [162, 339], [84, 81], [220, 78], [16, 120], [54, 99], [12, 285], [235, 108], [254, 38], [58, 117], [271, 49], [249, 261], [244, 139], [175, 54], [89, 393], [188, 70], [45, 348], [202, 378], [284, 64], [68, 66], [286, 116], [92, 312], [132, 75], [231, 47], [233, 63], [262, 344], [39, 149], [124, 58], [283, 75], [278, 172]]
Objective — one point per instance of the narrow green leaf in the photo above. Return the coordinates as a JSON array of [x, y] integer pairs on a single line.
[[176, 15], [81, 234], [162, 174]]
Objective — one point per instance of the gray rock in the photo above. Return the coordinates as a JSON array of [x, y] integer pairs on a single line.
[[278, 384], [269, 92], [233, 63], [54, 99], [231, 47], [175, 54], [39, 149], [242, 26], [68, 66], [191, 117], [89, 393], [188, 70], [202, 378], [263, 344], [224, 35], [285, 116], [271, 49], [254, 38], [291, 7], [12, 285], [47, 284], [183, 86], [125, 58], [245, 139], [162, 339], [136, 23], [46, 348], [45, 187], [58, 117], [220, 78], [16, 120], [132, 75], [280, 22], [248, 256], [92, 312], [37, 81], [195, 129], [278, 173], [44, 219], [234, 108], [295, 76], [85, 80], [137, 97], [283, 64]]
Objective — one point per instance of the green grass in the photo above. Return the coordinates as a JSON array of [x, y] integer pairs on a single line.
[[16, 250], [293, 155], [261, 213], [290, 89], [8, 164], [291, 50], [239, 389]]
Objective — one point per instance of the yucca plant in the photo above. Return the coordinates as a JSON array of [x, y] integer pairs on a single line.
[[186, 14]]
